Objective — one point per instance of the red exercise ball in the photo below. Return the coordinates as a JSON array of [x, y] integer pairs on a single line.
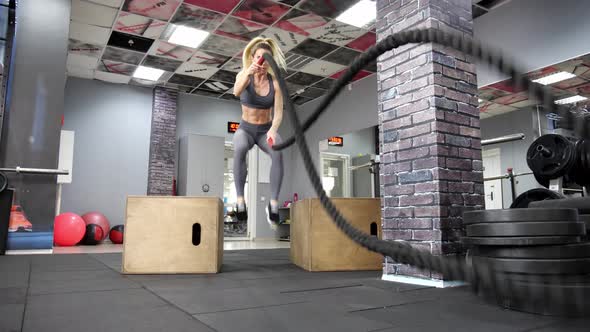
[[116, 234], [68, 229], [97, 218]]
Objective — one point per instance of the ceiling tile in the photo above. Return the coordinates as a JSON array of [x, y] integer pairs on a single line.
[[314, 48], [313, 93], [122, 55], [489, 93], [224, 6], [89, 33], [216, 86], [197, 18], [116, 67], [158, 9], [234, 65], [240, 29], [171, 51], [81, 48], [168, 65], [298, 100], [524, 103], [82, 61], [296, 61], [196, 70], [301, 22], [208, 58], [494, 108], [225, 76], [512, 98], [287, 2], [223, 45], [185, 80], [139, 25], [583, 89], [92, 13], [110, 3], [180, 88], [304, 78], [342, 56], [360, 75], [363, 42], [336, 33], [206, 93], [321, 67], [325, 83], [286, 40], [80, 72], [112, 77], [294, 88], [329, 8], [261, 11], [130, 42]]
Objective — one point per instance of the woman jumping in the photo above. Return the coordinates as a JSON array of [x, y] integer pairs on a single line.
[[259, 92]]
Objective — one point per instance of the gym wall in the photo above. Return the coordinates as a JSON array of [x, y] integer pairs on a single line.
[[351, 111], [111, 124], [512, 154], [522, 28]]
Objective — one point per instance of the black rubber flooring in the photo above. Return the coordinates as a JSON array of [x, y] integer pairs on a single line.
[[257, 290]]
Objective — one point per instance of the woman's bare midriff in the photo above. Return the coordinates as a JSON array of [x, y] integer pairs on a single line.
[[255, 115]]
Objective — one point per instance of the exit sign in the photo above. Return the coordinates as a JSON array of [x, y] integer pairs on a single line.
[[232, 127], [336, 141]]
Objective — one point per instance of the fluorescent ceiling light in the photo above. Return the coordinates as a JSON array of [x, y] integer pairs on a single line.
[[359, 15], [554, 78], [148, 73], [479, 100], [189, 37], [570, 100]]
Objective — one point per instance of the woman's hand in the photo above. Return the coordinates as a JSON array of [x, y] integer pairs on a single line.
[[271, 136], [254, 68]]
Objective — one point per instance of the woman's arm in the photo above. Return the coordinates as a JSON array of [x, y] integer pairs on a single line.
[[242, 80], [278, 108]]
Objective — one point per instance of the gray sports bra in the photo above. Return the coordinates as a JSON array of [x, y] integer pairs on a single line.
[[250, 98]]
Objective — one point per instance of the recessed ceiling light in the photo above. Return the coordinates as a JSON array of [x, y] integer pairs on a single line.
[[148, 73], [359, 15], [554, 78], [189, 37], [570, 100]]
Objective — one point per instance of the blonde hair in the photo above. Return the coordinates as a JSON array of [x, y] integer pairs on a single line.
[[267, 44]]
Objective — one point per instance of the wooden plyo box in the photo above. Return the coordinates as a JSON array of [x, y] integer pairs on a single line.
[[173, 235], [317, 244]]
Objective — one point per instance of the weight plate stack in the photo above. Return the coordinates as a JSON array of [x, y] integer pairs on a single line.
[[523, 227], [530, 253], [551, 156], [580, 171]]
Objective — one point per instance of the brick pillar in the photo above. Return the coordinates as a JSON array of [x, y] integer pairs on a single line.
[[162, 161], [429, 130]]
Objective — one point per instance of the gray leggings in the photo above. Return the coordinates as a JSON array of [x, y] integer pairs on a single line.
[[245, 137]]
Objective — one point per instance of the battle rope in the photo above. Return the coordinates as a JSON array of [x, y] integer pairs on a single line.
[[451, 267]]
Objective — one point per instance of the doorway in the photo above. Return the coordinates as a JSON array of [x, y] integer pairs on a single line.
[[335, 174], [493, 188]]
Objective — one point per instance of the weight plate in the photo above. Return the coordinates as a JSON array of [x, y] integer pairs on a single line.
[[519, 215], [536, 266], [582, 204], [585, 218], [576, 250], [542, 181], [579, 173], [551, 156], [521, 241], [534, 195], [560, 299], [547, 228]]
